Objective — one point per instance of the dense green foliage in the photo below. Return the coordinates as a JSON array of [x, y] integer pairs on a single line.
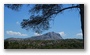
[[44, 44]]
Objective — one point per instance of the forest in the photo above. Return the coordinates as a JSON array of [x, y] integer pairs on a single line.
[[44, 44]]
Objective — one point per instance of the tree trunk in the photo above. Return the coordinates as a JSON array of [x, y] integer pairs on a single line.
[[82, 18]]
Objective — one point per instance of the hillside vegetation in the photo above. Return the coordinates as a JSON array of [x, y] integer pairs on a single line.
[[44, 44]]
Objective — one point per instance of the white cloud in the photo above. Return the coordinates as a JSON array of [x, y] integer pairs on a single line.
[[79, 34], [17, 22], [62, 33], [37, 34], [15, 33]]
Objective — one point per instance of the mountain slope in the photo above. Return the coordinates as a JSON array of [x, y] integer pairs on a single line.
[[48, 36]]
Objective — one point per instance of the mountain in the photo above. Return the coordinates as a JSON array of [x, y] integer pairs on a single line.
[[11, 39], [47, 36]]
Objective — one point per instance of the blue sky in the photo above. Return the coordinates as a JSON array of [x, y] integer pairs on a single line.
[[66, 23]]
